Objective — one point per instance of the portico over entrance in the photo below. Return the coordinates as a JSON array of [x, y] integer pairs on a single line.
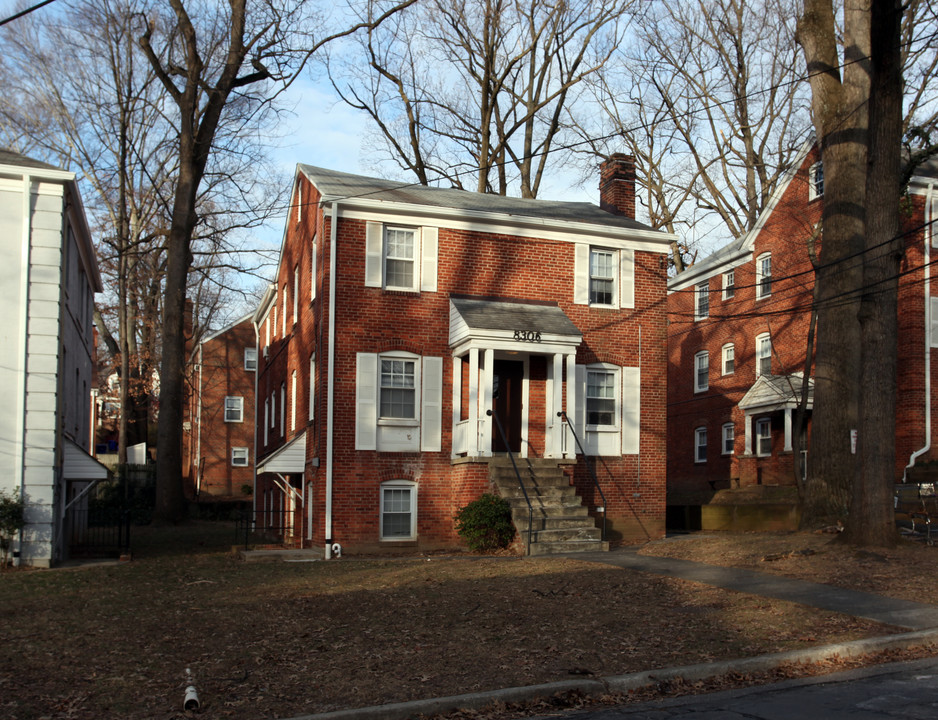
[[516, 358]]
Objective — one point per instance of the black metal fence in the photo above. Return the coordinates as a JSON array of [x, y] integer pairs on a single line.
[[272, 527], [98, 522]]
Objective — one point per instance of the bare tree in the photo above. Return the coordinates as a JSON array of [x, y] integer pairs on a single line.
[[708, 100], [477, 93], [219, 66]]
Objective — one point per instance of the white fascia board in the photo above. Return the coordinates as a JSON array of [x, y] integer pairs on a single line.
[[695, 273], [59, 176], [270, 295], [502, 224]]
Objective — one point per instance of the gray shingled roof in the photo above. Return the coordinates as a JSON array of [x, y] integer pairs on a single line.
[[336, 185], [9, 157], [483, 314]]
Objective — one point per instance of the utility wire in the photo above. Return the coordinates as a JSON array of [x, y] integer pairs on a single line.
[[27, 11]]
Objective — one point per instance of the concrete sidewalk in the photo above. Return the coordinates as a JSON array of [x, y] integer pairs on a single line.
[[919, 617], [902, 613]]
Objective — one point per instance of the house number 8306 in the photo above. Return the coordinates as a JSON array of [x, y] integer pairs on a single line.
[[528, 335]]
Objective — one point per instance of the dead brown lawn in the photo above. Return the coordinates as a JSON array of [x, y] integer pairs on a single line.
[[277, 640]]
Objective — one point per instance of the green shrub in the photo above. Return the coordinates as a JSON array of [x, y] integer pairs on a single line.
[[485, 524], [12, 520]]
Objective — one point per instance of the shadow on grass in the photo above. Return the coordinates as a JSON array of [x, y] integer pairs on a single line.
[[194, 537]]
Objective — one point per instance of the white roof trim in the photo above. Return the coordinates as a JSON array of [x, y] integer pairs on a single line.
[[290, 458], [79, 465]]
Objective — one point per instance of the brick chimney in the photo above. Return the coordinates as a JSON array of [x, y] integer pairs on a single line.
[[617, 185]]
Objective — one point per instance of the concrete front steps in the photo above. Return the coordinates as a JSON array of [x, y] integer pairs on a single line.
[[561, 523]]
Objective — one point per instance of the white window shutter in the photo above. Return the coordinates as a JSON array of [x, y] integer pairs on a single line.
[[626, 278], [581, 274], [431, 426], [374, 236], [631, 410], [579, 420], [366, 402], [430, 240]]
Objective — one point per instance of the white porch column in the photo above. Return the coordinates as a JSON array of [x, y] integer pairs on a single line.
[[787, 447], [475, 423], [553, 422], [488, 375], [747, 424], [571, 404], [457, 400]]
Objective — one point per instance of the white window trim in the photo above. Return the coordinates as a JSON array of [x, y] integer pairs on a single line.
[[312, 386], [614, 264], [250, 355], [623, 267], [813, 194], [763, 423], [415, 359], [728, 348], [239, 403], [293, 403], [697, 358], [760, 293], [285, 301], [700, 433], [273, 409], [296, 292], [615, 370], [266, 415], [701, 290], [398, 485], [312, 268], [283, 409], [723, 438], [729, 289], [239, 452], [426, 248], [761, 339]]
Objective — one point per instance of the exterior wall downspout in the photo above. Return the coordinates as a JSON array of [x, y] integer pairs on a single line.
[[257, 350], [330, 386], [929, 233], [198, 437]]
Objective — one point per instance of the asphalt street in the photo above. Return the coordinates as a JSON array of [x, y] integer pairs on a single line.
[[906, 690]]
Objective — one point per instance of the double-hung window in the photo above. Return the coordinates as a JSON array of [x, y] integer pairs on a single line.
[[398, 510], [729, 284], [763, 276], [401, 258], [729, 438], [601, 397], [763, 355], [250, 358], [816, 181], [701, 371], [399, 402], [729, 359], [700, 445], [234, 409], [602, 277], [763, 437], [239, 456], [702, 301], [398, 389]]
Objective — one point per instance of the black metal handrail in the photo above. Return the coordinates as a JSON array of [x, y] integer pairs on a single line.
[[501, 432], [563, 414]]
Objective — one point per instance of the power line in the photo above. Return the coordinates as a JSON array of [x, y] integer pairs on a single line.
[[27, 11]]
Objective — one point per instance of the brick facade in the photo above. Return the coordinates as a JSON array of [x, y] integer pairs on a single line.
[[217, 371], [500, 256], [783, 314]]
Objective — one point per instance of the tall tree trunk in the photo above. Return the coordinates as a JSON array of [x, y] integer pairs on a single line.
[[871, 508], [840, 117]]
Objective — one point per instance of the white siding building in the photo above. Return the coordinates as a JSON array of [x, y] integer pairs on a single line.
[[48, 277]]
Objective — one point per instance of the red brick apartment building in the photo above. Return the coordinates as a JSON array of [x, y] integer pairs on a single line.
[[401, 314], [737, 339], [218, 430]]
